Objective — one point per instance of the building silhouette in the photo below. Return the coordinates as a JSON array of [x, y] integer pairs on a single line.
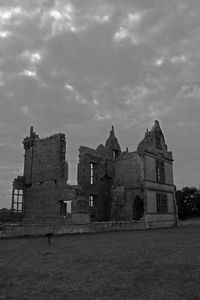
[[112, 185]]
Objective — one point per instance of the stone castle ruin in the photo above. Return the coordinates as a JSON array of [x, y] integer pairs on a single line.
[[111, 185]]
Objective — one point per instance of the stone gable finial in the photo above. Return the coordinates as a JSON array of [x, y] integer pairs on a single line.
[[31, 131], [154, 142], [156, 126], [112, 141]]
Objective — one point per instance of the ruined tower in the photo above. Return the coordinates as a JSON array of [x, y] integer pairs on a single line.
[[46, 195]]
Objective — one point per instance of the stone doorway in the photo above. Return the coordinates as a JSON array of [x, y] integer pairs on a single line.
[[138, 208]]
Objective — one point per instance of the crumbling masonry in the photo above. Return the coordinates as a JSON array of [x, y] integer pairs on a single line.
[[112, 185]]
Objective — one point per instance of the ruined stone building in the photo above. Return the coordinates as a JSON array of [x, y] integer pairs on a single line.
[[112, 185]]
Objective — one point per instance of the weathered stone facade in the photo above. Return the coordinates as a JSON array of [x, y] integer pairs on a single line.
[[46, 195], [126, 186], [112, 185], [96, 171]]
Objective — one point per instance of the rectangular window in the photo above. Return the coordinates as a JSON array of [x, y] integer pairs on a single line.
[[92, 171], [160, 171], [91, 200], [65, 208], [68, 207], [17, 200], [115, 153], [162, 203]]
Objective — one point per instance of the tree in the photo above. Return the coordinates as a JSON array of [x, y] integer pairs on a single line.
[[188, 202]]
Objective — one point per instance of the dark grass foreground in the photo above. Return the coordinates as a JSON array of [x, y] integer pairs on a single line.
[[159, 264]]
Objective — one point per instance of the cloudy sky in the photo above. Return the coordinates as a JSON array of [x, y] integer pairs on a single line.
[[80, 66]]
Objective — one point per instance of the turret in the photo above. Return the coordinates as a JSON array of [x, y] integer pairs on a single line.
[[154, 142], [113, 144]]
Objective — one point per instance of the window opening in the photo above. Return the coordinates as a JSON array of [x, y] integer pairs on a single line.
[[160, 171], [65, 207], [92, 173], [115, 153], [17, 200], [91, 200], [162, 203]]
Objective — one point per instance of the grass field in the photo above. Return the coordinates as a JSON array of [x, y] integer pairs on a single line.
[[156, 264]]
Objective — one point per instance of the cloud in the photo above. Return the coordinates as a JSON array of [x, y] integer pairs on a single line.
[[127, 28], [123, 33], [25, 109], [178, 59], [75, 94], [103, 116], [99, 14], [158, 62], [12, 17], [63, 18], [34, 57], [1, 79], [81, 66], [136, 94], [95, 102], [158, 110], [101, 19], [69, 87], [190, 90], [29, 73], [7, 13], [5, 34], [161, 25]]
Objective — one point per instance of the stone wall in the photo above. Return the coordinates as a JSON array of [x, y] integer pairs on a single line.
[[100, 189], [45, 160], [47, 196], [129, 170], [8, 231], [44, 199], [150, 169], [26, 230], [152, 203]]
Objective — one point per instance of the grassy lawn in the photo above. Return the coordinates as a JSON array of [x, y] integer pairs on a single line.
[[158, 264]]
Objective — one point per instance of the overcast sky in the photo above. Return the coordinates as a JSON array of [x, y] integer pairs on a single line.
[[79, 67]]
